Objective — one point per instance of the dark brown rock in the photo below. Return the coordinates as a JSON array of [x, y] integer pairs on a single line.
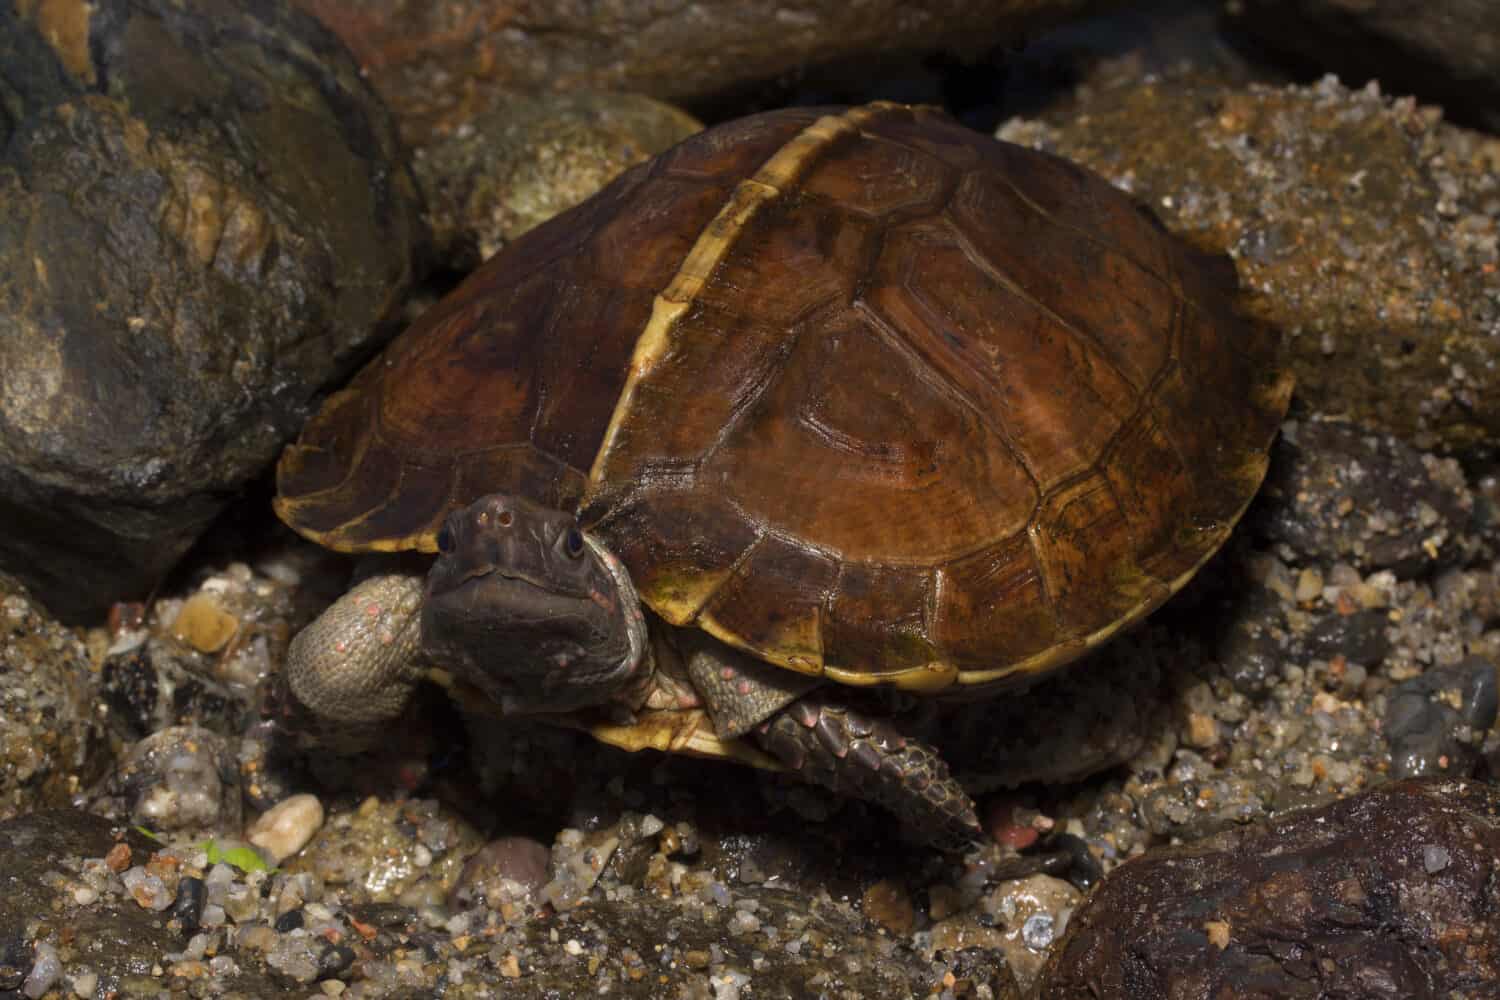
[[1436, 722], [1385, 894], [439, 65], [201, 224], [1447, 51], [1339, 492]]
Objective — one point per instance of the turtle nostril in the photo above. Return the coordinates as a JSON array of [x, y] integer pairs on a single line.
[[504, 518]]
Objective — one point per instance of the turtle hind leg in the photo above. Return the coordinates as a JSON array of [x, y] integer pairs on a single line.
[[830, 744]]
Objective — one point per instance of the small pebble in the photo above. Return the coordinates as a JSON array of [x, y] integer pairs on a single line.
[[204, 624], [286, 827], [888, 904], [148, 890], [1038, 931], [118, 858], [44, 971], [1309, 586], [1202, 730], [1435, 858], [1218, 933], [187, 908]]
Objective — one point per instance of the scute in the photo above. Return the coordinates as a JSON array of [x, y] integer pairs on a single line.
[[862, 392]]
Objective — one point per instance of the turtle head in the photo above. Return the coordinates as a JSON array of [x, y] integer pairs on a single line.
[[525, 606]]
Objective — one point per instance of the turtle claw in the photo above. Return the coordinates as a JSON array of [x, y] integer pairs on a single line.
[[853, 754]]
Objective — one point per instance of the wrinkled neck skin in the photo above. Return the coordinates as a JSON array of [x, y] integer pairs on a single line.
[[639, 658], [538, 616]]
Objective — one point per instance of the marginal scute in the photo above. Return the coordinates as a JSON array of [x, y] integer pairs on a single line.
[[773, 604], [320, 461], [1151, 482], [681, 545], [992, 606], [1085, 547], [878, 615]]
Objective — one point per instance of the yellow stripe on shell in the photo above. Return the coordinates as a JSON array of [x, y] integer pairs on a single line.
[[774, 177]]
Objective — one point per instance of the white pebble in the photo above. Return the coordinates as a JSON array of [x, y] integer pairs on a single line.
[[286, 827], [148, 890], [85, 983], [44, 971], [1038, 931]]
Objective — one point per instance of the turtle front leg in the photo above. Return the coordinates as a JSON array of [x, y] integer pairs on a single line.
[[357, 664], [833, 745]]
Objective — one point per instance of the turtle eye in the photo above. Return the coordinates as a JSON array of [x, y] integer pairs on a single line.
[[445, 540], [574, 542]]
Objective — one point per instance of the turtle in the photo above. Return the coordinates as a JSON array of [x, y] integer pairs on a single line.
[[818, 408]]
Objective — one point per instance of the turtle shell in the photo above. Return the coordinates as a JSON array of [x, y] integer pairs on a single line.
[[861, 391]]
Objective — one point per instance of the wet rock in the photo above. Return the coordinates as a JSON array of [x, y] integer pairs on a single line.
[[1436, 722], [181, 779], [1249, 651], [203, 222], [491, 179], [1359, 637], [1020, 918], [1340, 493], [1362, 226], [1447, 52], [519, 860], [51, 744], [1348, 900], [438, 65]]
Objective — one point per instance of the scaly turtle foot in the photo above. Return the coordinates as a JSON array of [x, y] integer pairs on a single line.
[[832, 745]]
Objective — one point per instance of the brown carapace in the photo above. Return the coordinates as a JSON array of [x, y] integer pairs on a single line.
[[862, 392]]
